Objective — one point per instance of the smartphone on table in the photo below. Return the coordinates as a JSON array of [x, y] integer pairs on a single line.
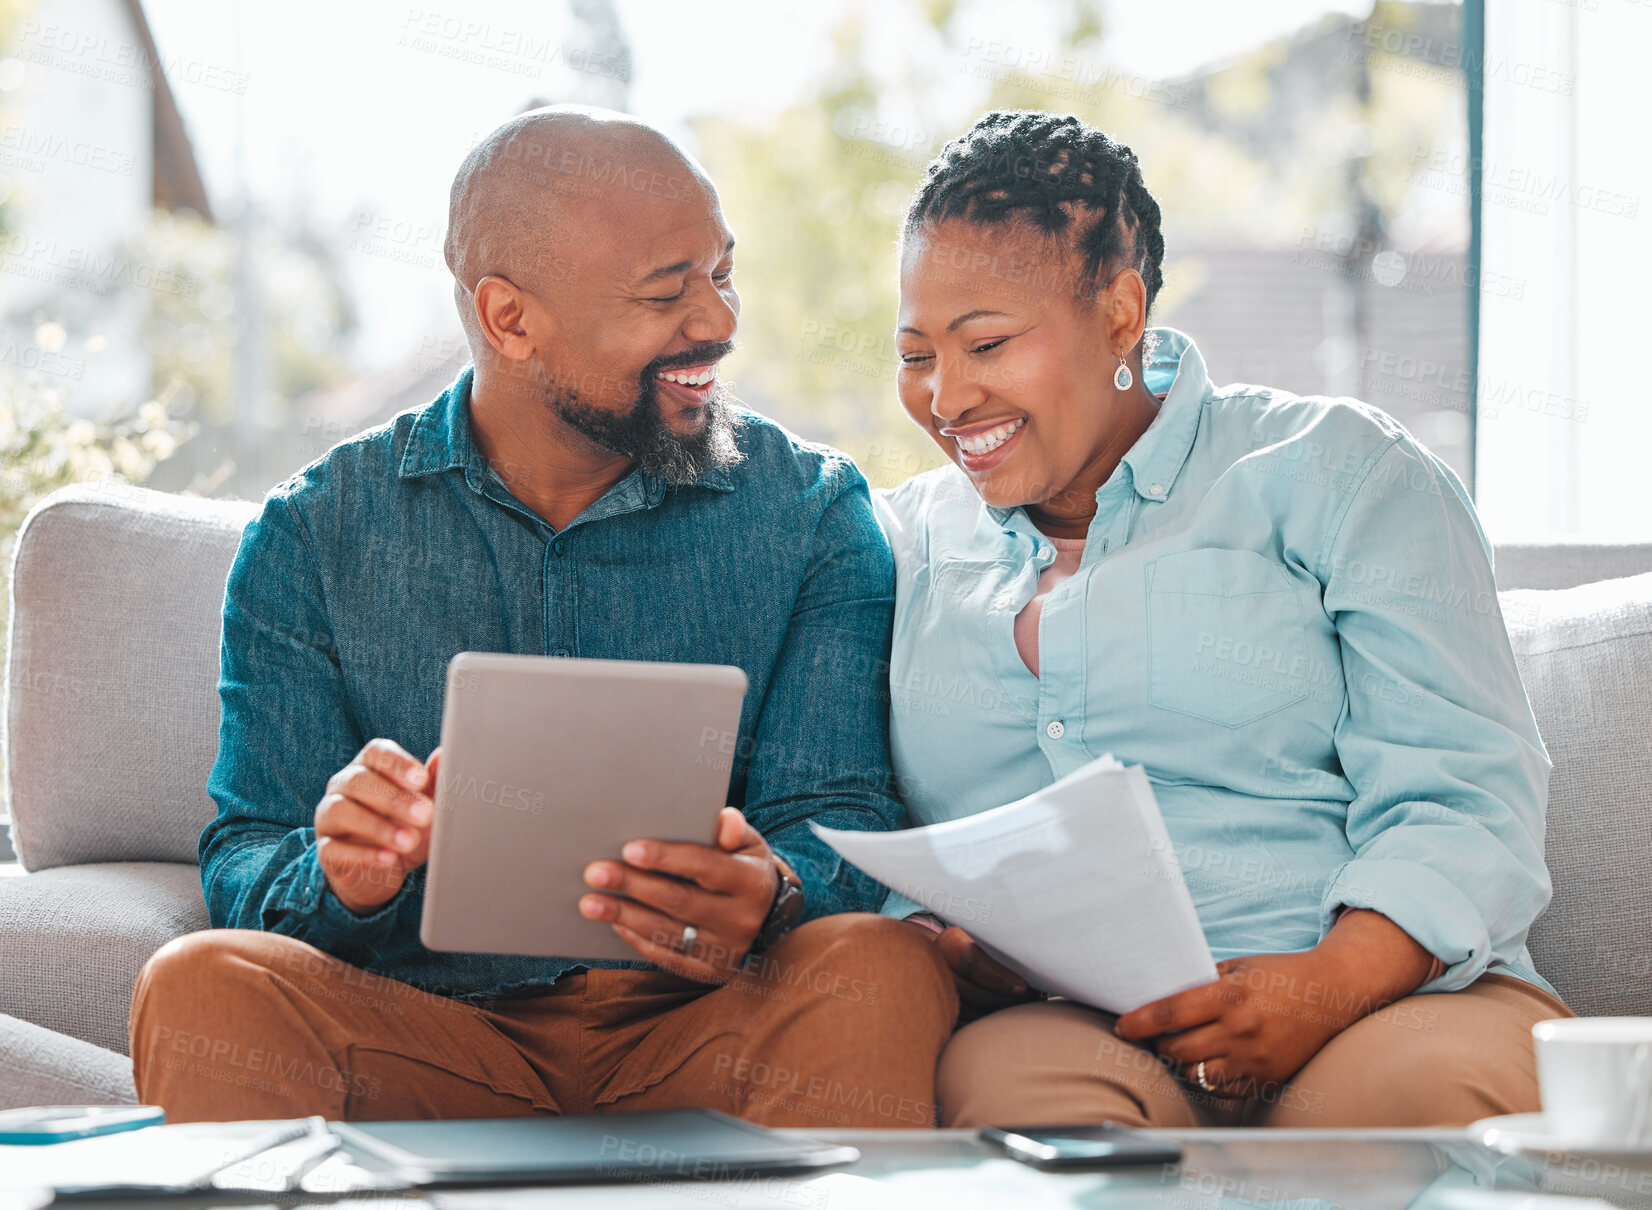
[[63, 1123], [1072, 1148]]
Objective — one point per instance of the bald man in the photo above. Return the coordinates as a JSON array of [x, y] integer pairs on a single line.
[[586, 489]]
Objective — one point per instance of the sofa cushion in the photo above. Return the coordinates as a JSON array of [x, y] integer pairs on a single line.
[[47, 1068], [1585, 655], [72, 941], [111, 709]]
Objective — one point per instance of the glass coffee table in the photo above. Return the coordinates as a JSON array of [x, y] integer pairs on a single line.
[[952, 1170], [1298, 1170]]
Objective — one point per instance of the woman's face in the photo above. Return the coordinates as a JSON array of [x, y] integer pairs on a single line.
[[1003, 363]]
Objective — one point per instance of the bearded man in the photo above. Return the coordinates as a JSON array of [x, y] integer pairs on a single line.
[[585, 489]]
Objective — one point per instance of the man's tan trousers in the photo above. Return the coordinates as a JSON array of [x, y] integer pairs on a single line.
[[839, 1025]]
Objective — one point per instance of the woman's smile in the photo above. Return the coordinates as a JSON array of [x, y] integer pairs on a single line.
[[984, 446]]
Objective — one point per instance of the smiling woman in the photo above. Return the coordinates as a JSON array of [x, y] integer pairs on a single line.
[[1185, 576], [998, 250]]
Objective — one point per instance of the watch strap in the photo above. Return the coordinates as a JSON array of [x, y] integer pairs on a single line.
[[785, 910]]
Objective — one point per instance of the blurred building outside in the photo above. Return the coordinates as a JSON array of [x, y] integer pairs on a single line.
[[85, 159]]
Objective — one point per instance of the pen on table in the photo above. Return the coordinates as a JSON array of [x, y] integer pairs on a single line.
[[318, 1145], [304, 1152]]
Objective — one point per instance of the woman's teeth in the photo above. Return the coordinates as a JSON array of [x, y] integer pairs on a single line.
[[698, 379], [985, 443]]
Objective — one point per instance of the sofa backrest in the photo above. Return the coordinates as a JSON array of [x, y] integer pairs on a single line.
[[111, 688], [1568, 564]]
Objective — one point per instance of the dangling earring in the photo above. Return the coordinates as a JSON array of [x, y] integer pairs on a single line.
[[1122, 377]]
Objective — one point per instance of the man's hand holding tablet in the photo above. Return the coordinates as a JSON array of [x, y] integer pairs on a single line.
[[373, 825], [373, 829], [723, 893], [693, 909]]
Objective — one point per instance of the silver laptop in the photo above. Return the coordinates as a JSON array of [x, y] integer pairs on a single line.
[[549, 764]]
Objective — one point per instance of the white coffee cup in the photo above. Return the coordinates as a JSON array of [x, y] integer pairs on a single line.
[[1595, 1074]]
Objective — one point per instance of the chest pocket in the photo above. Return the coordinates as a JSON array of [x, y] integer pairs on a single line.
[[973, 587], [1224, 635]]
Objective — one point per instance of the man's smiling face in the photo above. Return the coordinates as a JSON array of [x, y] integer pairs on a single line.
[[650, 311], [642, 329], [622, 267]]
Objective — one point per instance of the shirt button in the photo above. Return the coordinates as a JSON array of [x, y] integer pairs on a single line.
[[558, 548], [1056, 729], [562, 653], [1156, 489], [1002, 603]]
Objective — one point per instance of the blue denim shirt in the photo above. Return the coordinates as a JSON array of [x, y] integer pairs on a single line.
[[1285, 613], [371, 568]]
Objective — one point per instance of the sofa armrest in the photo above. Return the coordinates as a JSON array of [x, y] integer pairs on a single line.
[[46, 1068], [73, 940]]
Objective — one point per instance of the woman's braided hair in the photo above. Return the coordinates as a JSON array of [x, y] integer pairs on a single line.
[[1056, 172]]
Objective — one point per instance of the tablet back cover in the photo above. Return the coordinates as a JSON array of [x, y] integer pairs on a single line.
[[549, 764]]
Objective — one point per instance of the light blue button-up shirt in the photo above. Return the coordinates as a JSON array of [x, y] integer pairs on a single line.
[[1286, 614]]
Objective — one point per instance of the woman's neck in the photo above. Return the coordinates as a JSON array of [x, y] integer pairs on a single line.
[[1068, 513]]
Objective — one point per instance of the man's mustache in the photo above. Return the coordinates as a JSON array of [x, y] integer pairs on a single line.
[[699, 355]]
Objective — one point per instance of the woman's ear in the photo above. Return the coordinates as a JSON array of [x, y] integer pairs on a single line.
[[1125, 311], [501, 311]]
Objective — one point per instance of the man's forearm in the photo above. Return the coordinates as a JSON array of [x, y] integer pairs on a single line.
[[274, 883]]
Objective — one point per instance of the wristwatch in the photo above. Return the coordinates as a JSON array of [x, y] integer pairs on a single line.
[[784, 912]]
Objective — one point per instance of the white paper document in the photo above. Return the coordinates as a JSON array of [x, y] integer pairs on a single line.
[[154, 1160], [1076, 887]]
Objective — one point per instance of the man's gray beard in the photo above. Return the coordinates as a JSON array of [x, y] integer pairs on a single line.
[[643, 436]]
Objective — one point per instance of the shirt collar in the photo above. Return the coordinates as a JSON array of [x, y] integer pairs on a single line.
[[442, 439], [1176, 370]]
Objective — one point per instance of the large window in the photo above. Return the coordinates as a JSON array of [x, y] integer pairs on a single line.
[[1566, 189], [1311, 158]]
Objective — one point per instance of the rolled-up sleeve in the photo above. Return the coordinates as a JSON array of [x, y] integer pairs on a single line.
[[285, 727], [1438, 738]]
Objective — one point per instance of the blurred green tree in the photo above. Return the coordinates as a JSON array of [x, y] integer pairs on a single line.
[[1294, 135]]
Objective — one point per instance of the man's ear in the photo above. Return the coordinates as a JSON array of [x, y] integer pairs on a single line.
[[502, 312], [1125, 316]]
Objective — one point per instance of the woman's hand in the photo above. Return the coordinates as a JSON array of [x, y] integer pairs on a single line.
[[1266, 1016], [1255, 1027], [984, 984]]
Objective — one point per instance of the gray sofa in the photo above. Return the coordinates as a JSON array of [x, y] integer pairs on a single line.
[[111, 718]]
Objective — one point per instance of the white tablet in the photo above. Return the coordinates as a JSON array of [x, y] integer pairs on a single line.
[[549, 764]]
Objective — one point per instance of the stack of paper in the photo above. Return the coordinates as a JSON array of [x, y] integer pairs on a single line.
[[151, 1161], [1075, 887]]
